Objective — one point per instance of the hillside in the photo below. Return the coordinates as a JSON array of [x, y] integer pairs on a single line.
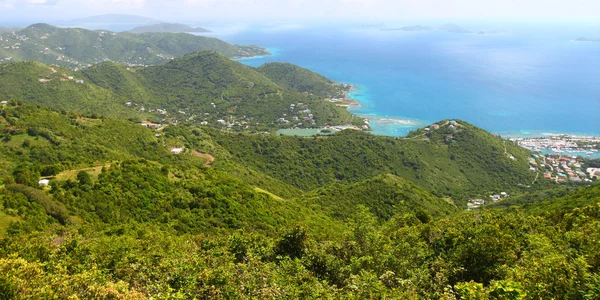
[[460, 163], [168, 27], [301, 80], [200, 87], [384, 195], [115, 19], [123, 216], [129, 159], [9, 29], [78, 48], [565, 199]]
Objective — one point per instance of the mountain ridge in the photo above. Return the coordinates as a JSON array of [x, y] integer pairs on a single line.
[[168, 27], [79, 48]]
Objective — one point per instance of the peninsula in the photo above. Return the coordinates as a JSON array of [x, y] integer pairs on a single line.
[[78, 48], [582, 39], [408, 28], [168, 27]]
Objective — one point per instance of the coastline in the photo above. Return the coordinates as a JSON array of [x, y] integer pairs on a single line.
[[379, 124], [272, 52]]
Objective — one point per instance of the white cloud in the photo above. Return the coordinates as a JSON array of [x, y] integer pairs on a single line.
[[42, 2], [266, 10], [5, 4]]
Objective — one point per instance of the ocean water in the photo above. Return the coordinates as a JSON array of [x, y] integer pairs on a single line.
[[531, 79]]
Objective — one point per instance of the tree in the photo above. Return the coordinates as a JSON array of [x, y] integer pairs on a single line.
[[84, 178]]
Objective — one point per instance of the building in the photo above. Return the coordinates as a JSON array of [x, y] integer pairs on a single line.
[[44, 182], [177, 150]]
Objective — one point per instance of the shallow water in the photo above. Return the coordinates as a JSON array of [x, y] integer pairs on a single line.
[[532, 78]]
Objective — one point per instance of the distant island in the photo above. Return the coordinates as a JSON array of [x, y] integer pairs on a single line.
[[408, 28], [454, 28], [168, 27], [115, 19], [449, 27], [79, 48], [9, 29], [582, 39]]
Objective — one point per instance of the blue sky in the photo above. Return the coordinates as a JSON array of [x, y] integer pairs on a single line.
[[211, 10]]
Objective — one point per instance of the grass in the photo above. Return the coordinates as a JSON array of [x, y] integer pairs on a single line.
[[5, 220], [268, 193], [72, 174], [17, 141]]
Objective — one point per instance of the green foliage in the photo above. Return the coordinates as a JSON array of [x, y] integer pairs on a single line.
[[475, 163], [384, 195], [78, 47], [301, 80], [125, 218], [204, 86]]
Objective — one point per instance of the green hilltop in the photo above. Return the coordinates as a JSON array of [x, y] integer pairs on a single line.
[[466, 161], [168, 27], [299, 79], [200, 87], [78, 48], [130, 182], [123, 216]]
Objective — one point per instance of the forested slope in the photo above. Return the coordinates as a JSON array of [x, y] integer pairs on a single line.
[[458, 163], [125, 217], [200, 87], [299, 79], [78, 47]]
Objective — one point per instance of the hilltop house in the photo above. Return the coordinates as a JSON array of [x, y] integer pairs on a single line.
[[177, 150]]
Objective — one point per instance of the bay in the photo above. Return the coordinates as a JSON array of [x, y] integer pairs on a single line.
[[530, 78]]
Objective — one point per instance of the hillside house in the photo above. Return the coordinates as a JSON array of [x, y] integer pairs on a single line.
[[177, 150]]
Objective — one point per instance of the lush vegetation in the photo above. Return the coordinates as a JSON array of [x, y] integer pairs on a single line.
[[168, 27], [302, 80], [256, 216], [77, 47], [457, 163], [200, 87]]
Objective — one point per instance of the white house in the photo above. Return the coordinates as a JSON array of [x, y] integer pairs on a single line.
[[44, 182], [177, 150]]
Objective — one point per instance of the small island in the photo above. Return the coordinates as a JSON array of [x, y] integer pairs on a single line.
[[582, 39], [168, 28], [454, 28], [408, 28]]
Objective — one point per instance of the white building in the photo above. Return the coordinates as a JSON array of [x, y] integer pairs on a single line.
[[177, 150]]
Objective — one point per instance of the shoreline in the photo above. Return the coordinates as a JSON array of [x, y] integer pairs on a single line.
[[271, 52], [380, 124]]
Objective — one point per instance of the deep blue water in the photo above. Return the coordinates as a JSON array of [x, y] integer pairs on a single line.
[[531, 79]]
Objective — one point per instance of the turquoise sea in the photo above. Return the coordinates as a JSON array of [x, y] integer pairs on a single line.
[[530, 79]]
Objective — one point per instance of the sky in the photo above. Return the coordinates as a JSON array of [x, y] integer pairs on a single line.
[[213, 10]]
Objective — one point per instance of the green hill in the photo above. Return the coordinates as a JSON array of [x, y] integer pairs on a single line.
[[115, 19], [301, 80], [125, 217], [384, 195], [144, 179], [77, 47], [200, 87], [563, 199], [168, 27], [460, 163]]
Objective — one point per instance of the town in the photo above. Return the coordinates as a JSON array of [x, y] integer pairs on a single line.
[[562, 143]]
